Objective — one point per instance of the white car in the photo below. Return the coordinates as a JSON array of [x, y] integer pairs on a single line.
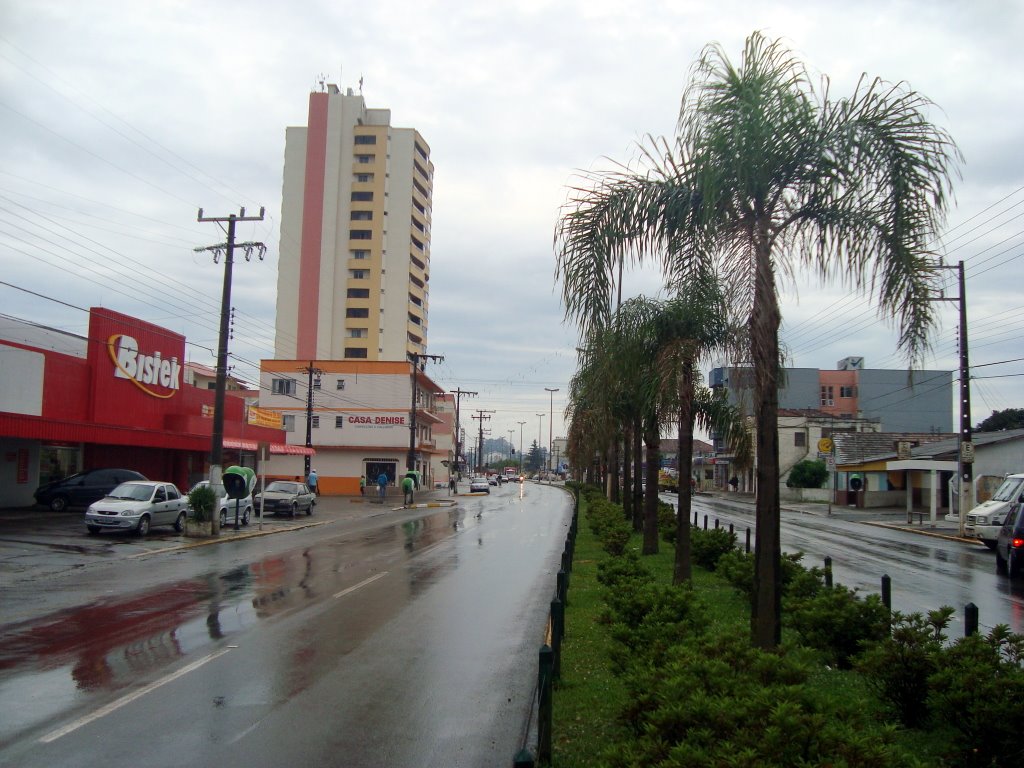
[[985, 520], [479, 485], [227, 507], [138, 506]]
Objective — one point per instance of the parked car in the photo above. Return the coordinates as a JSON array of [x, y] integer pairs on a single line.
[[82, 488], [138, 506], [985, 520], [227, 507], [1010, 543], [479, 484], [285, 497]]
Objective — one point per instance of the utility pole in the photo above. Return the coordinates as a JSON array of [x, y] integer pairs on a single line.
[[511, 448], [966, 454], [540, 418], [311, 370], [521, 423], [480, 451], [410, 462], [228, 249], [458, 431], [551, 422]]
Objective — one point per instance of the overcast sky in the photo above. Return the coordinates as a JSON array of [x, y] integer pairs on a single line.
[[120, 119]]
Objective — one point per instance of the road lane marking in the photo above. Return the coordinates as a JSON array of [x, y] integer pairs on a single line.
[[128, 699], [361, 584]]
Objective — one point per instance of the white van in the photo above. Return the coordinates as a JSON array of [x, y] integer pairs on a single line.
[[985, 520]]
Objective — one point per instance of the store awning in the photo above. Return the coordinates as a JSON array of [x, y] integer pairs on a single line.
[[293, 450], [241, 445]]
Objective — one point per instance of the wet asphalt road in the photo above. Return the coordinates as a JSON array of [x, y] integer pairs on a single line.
[[374, 638], [927, 572]]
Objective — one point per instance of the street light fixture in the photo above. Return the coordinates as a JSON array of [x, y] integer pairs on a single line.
[[551, 422]]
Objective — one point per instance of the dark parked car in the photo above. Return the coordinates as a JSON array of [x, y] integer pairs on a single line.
[[1010, 543], [283, 497], [83, 488]]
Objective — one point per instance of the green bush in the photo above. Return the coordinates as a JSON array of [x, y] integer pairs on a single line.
[[647, 619], [613, 571], [898, 666], [708, 546], [809, 473], [201, 502], [737, 568], [837, 622], [978, 688], [667, 522]]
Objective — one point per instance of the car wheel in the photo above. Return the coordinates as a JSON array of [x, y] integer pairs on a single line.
[[93, 529], [246, 515], [223, 518], [989, 543], [179, 524], [309, 509], [295, 508], [1000, 562], [143, 528], [1013, 564], [58, 503]]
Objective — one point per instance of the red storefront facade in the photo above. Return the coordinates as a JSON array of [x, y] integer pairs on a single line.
[[122, 404]]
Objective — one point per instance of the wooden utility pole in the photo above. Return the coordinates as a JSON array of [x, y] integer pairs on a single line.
[[311, 370], [458, 431], [410, 462], [480, 450], [228, 249]]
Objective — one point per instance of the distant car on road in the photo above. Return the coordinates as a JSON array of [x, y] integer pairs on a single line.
[[227, 507], [138, 506], [82, 488], [478, 485], [285, 497]]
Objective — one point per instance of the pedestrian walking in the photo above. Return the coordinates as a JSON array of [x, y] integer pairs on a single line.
[[311, 482], [407, 489], [452, 486], [362, 485], [382, 485]]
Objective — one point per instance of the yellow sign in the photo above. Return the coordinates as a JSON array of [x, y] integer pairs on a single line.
[[825, 445], [263, 417]]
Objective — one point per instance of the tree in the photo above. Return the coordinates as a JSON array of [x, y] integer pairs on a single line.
[[1011, 418], [809, 473], [767, 175]]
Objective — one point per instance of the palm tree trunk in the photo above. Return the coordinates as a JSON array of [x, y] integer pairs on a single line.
[[615, 495], [766, 608], [627, 474], [653, 441], [638, 478], [683, 570]]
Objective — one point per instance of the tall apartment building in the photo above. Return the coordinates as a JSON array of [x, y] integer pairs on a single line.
[[353, 278]]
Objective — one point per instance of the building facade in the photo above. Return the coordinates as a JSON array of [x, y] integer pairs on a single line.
[[115, 398], [899, 400], [361, 420], [354, 271]]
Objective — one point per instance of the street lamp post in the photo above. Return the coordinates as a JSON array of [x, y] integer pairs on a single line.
[[521, 423], [511, 448], [540, 417], [551, 422]]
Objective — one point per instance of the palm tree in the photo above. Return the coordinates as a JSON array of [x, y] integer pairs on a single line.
[[767, 175]]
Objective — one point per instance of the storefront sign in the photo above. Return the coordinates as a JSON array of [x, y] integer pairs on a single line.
[[263, 417], [154, 375], [377, 421]]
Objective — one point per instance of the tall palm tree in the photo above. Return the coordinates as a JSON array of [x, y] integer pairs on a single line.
[[768, 174]]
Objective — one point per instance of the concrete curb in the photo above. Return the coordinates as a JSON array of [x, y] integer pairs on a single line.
[[934, 534]]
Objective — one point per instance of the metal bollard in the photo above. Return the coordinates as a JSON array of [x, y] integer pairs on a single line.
[[705, 522], [716, 523], [695, 519], [544, 704], [970, 619], [828, 572], [523, 759], [562, 587], [887, 592], [731, 531], [748, 541], [557, 631]]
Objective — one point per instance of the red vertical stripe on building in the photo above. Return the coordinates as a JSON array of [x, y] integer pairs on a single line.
[[312, 227]]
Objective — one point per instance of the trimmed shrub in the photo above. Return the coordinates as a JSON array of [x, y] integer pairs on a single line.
[[667, 522], [837, 622], [708, 546]]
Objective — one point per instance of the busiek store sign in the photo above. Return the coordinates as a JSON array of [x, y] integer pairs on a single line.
[[151, 373]]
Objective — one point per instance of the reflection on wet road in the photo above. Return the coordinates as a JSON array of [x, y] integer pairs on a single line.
[[393, 625]]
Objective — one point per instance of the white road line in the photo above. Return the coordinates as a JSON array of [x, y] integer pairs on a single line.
[[128, 699], [361, 584]]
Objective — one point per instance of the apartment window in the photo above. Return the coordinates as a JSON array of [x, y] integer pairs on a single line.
[[827, 397], [799, 439], [359, 293], [316, 383], [362, 197], [361, 216], [282, 386], [339, 422], [341, 384], [357, 312], [359, 352], [359, 254], [847, 391], [289, 423], [365, 159], [366, 139], [359, 274], [314, 422], [357, 333], [359, 234], [364, 177]]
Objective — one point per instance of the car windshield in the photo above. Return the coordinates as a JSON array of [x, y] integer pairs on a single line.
[[133, 491], [277, 485], [1009, 490]]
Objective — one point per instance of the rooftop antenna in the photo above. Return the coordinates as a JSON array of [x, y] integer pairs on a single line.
[[360, 84], [321, 81]]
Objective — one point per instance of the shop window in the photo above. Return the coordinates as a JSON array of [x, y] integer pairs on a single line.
[[339, 422], [289, 423]]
